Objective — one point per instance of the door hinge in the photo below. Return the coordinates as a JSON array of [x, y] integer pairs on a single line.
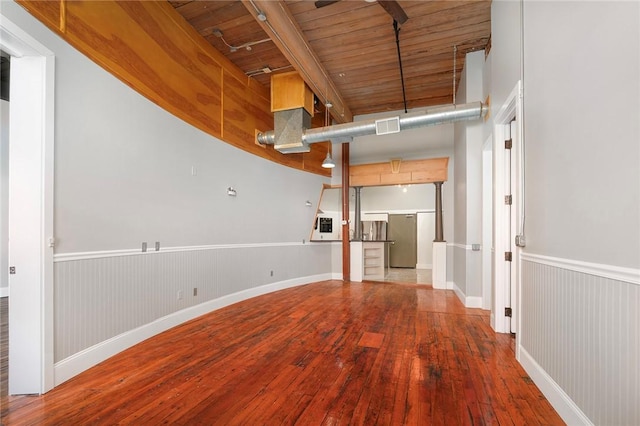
[[12, 270], [508, 199], [508, 312], [508, 256], [508, 144]]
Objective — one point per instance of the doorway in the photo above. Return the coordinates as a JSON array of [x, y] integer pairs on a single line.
[[507, 211], [30, 211]]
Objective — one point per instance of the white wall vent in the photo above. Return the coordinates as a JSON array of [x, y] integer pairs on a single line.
[[388, 125]]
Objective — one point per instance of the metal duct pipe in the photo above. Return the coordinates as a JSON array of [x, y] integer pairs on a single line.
[[431, 117]]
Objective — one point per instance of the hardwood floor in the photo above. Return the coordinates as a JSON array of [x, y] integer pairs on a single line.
[[325, 353]]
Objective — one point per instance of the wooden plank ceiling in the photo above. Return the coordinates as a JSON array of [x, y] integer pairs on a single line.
[[355, 42]]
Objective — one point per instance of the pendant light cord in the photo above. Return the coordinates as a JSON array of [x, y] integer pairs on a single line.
[[455, 55], [397, 31]]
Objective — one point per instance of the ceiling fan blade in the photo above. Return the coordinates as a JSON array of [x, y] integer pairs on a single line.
[[394, 9], [323, 3]]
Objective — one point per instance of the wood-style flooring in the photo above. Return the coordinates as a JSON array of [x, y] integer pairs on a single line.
[[327, 353]]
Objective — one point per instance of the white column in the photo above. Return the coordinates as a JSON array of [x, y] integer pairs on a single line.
[[356, 261], [439, 271]]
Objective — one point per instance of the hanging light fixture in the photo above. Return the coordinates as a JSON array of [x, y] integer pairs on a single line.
[[328, 162]]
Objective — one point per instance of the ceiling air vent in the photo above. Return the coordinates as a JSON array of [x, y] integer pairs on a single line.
[[387, 125]]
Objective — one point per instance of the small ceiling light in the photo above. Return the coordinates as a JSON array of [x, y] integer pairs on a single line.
[[308, 203], [231, 192], [328, 162]]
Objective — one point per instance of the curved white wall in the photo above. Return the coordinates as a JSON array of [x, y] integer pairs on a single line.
[[128, 172]]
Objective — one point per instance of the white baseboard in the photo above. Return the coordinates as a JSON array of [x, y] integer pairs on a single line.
[[83, 360], [4, 291], [566, 408], [424, 266], [457, 291], [450, 285], [468, 301], [473, 302]]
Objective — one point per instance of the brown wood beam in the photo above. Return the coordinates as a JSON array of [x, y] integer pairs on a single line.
[[346, 243], [429, 170], [280, 26]]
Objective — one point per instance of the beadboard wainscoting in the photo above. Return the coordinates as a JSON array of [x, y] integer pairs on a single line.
[[580, 338], [108, 301]]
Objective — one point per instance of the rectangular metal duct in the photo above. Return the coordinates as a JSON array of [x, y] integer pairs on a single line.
[[289, 126]]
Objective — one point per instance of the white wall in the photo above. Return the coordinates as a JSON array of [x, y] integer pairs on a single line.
[[583, 156], [126, 171], [468, 193], [580, 290], [4, 199]]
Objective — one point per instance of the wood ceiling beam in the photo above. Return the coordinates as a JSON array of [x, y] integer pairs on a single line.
[[281, 27]]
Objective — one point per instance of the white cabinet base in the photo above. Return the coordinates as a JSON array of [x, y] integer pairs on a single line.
[[367, 260]]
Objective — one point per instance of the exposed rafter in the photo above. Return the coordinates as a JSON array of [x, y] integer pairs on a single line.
[[277, 21]]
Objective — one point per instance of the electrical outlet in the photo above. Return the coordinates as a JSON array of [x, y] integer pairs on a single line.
[[195, 291], [180, 294]]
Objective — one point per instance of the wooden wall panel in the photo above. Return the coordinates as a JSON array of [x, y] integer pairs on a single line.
[[48, 12], [151, 48], [140, 43], [414, 171]]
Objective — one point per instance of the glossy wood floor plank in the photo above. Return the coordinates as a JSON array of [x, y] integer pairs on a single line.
[[328, 353]]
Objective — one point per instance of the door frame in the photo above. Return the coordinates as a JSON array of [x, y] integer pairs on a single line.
[[413, 234], [488, 249], [31, 358], [510, 110]]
